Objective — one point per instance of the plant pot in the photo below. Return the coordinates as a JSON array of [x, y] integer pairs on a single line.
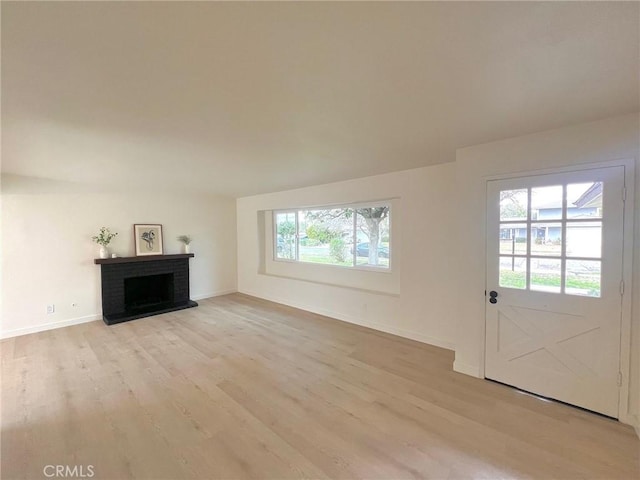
[[104, 252], [187, 248]]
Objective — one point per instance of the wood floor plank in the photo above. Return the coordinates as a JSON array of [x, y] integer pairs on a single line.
[[242, 388]]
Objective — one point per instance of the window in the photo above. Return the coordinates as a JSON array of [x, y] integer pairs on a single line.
[[349, 236], [551, 238]]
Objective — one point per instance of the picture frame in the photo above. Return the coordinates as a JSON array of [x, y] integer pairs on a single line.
[[148, 239]]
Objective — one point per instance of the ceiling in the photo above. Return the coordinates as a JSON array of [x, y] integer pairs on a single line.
[[244, 98]]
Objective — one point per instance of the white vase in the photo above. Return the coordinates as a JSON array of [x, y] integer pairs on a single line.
[[187, 248], [104, 252]]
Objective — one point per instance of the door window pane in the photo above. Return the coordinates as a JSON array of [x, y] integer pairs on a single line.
[[552, 234], [584, 239], [582, 277], [513, 204], [546, 203], [584, 200], [372, 237], [286, 235], [513, 238], [546, 239], [513, 272], [545, 275]]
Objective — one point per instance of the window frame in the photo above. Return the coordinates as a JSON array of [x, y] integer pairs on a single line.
[[353, 206]]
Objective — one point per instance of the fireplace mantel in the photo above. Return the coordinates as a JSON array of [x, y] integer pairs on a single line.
[[143, 258]]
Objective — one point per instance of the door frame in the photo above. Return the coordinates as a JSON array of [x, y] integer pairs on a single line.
[[624, 415]]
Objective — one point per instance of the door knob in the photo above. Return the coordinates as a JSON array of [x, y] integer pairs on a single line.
[[493, 294]]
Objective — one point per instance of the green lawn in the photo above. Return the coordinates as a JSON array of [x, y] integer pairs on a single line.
[[518, 280]]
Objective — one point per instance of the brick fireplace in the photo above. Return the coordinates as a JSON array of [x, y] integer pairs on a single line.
[[136, 287]]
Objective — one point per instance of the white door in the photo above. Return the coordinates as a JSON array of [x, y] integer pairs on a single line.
[[554, 273]]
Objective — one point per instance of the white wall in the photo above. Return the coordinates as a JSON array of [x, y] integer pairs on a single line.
[[607, 140], [415, 300], [48, 253]]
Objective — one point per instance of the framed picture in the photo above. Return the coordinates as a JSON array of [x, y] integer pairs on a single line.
[[148, 239]]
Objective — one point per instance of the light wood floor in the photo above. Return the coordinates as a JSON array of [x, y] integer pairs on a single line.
[[243, 388]]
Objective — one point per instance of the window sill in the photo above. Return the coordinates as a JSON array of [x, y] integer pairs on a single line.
[[358, 268], [331, 284]]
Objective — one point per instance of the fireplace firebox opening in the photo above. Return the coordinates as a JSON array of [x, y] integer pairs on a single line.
[[148, 292]]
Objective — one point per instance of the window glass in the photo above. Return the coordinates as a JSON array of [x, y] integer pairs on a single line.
[[513, 272], [325, 235], [513, 238], [546, 203], [344, 236], [584, 239], [372, 236], [285, 241], [582, 277], [546, 275], [584, 200], [513, 205], [546, 239]]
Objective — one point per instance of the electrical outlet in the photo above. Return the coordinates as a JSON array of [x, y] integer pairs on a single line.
[[51, 309]]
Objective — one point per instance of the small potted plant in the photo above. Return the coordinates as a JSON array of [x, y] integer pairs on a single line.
[[186, 240], [103, 239]]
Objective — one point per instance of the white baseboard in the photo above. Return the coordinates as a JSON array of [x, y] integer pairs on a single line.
[[411, 335], [218, 293], [16, 332], [465, 368]]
